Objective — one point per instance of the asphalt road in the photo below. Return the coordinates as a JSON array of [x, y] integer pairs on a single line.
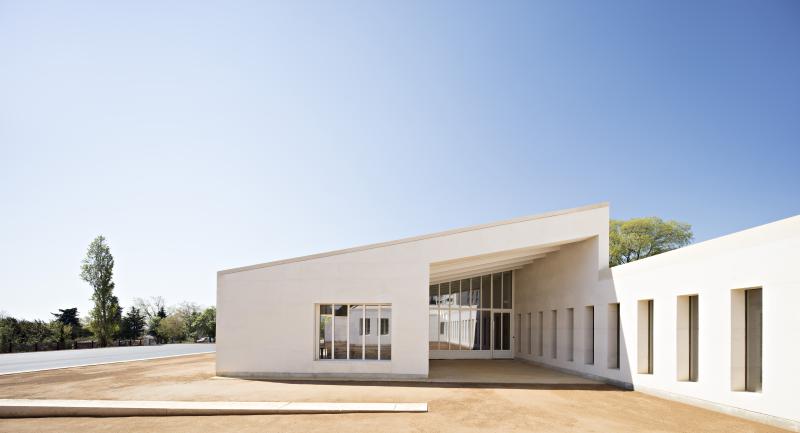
[[37, 361]]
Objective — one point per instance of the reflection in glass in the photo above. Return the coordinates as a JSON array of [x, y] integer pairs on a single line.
[[444, 317], [476, 340], [486, 294], [475, 298], [506, 331], [507, 290], [371, 332], [497, 324], [433, 294], [386, 332], [433, 319], [444, 294], [356, 329], [497, 289], [454, 322], [325, 332], [340, 332], [461, 316], [464, 298], [454, 291], [486, 330]]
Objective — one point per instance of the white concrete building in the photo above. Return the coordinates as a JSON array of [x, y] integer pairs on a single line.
[[713, 324]]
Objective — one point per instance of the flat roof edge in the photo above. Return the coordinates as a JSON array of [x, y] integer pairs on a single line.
[[708, 243], [415, 238]]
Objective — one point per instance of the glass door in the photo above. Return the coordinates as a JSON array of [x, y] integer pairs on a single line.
[[502, 315]]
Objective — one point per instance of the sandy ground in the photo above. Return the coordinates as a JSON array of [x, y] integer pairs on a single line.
[[451, 408]]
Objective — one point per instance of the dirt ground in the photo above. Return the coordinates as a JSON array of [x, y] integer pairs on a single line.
[[452, 408]]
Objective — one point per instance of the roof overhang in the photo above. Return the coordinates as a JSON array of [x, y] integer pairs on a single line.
[[466, 267]]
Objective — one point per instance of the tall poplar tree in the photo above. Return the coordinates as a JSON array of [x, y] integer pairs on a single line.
[[97, 269]]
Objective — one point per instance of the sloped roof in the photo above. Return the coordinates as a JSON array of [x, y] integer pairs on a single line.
[[416, 238]]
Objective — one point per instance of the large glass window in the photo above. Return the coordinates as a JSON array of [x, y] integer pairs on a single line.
[[354, 332], [460, 315]]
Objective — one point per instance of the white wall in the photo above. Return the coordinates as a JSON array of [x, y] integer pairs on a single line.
[[565, 280], [766, 256], [266, 319]]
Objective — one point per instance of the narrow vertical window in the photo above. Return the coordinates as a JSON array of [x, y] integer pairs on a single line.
[[570, 334], [694, 337], [644, 342], [753, 340], [518, 334], [687, 333], [530, 334], [746, 339], [588, 338], [540, 340], [554, 334], [613, 336]]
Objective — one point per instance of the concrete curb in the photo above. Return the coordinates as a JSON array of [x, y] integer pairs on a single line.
[[26, 408]]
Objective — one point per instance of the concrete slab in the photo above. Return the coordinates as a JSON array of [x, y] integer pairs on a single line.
[[30, 408]]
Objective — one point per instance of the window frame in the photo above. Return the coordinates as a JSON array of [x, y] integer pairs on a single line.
[[379, 306]]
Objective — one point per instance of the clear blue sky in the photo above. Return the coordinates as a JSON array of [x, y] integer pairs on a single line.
[[198, 136]]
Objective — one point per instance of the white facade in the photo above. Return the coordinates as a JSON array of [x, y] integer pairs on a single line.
[[277, 319]]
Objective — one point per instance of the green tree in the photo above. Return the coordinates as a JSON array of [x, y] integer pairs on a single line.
[[97, 269], [638, 238], [10, 332], [34, 331], [154, 324], [132, 324], [173, 328], [67, 323], [205, 323]]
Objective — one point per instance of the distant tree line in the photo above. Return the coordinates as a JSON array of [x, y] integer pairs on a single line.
[[106, 324]]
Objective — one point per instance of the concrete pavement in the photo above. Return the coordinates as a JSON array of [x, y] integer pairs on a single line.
[[11, 363]]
